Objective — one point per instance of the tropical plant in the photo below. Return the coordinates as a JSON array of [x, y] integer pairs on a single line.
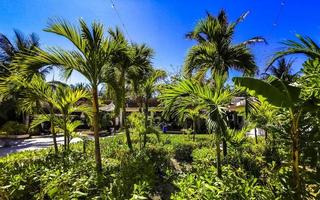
[[305, 45], [9, 51], [310, 80], [131, 65], [149, 87], [66, 101], [283, 70], [280, 94], [91, 57], [215, 51], [213, 100]]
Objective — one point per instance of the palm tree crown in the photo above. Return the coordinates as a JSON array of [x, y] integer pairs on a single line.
[[215, 51]]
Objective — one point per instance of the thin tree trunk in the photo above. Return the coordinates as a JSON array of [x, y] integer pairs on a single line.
[[66, 142], [146, 112], [124, 112], [26, 121], [266, 135], [194, 128], [224, 147], [54, 136], [218, 158], [96, 129], [124, 122], [65, 134], [255, 135]]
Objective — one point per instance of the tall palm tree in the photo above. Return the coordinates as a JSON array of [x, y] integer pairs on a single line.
[[280, 94], [213, 100], [215, 51], [129, 66], [91, 58]]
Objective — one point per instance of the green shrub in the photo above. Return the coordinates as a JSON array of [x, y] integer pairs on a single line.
[[204, 157], [235, 184], [183, 152], [13, 128]]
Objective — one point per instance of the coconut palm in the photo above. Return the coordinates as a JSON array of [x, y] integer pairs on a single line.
[[129, 65], [280, 94], [91, 58], [213, 100], [215, 51]]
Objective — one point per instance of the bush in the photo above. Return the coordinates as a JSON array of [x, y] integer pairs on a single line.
[[13, 128], [183, 152], [235, 184]]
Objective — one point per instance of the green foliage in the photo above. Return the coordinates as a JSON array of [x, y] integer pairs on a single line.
[[310, 80], [13, 128], [235, 184], [147, 173], [215, 51]]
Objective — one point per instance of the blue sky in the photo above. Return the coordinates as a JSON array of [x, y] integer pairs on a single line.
[[162, 24]]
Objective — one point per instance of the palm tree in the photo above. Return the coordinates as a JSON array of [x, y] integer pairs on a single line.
[[188, 110], [283, 70], [280, 94], [149, 88], [91, 58], [9, 51], [129, 65], [66, 101], [34, 92], [215, 51], [214, 100]]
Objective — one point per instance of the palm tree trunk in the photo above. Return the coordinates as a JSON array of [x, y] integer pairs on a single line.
[[124, 112], [218, 158], [266, 135], [26, 121], [96, 129], [194, 128], [66, 143], [255, 135], [54, 136], [124, 122], [224, 147], [146, 112]]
